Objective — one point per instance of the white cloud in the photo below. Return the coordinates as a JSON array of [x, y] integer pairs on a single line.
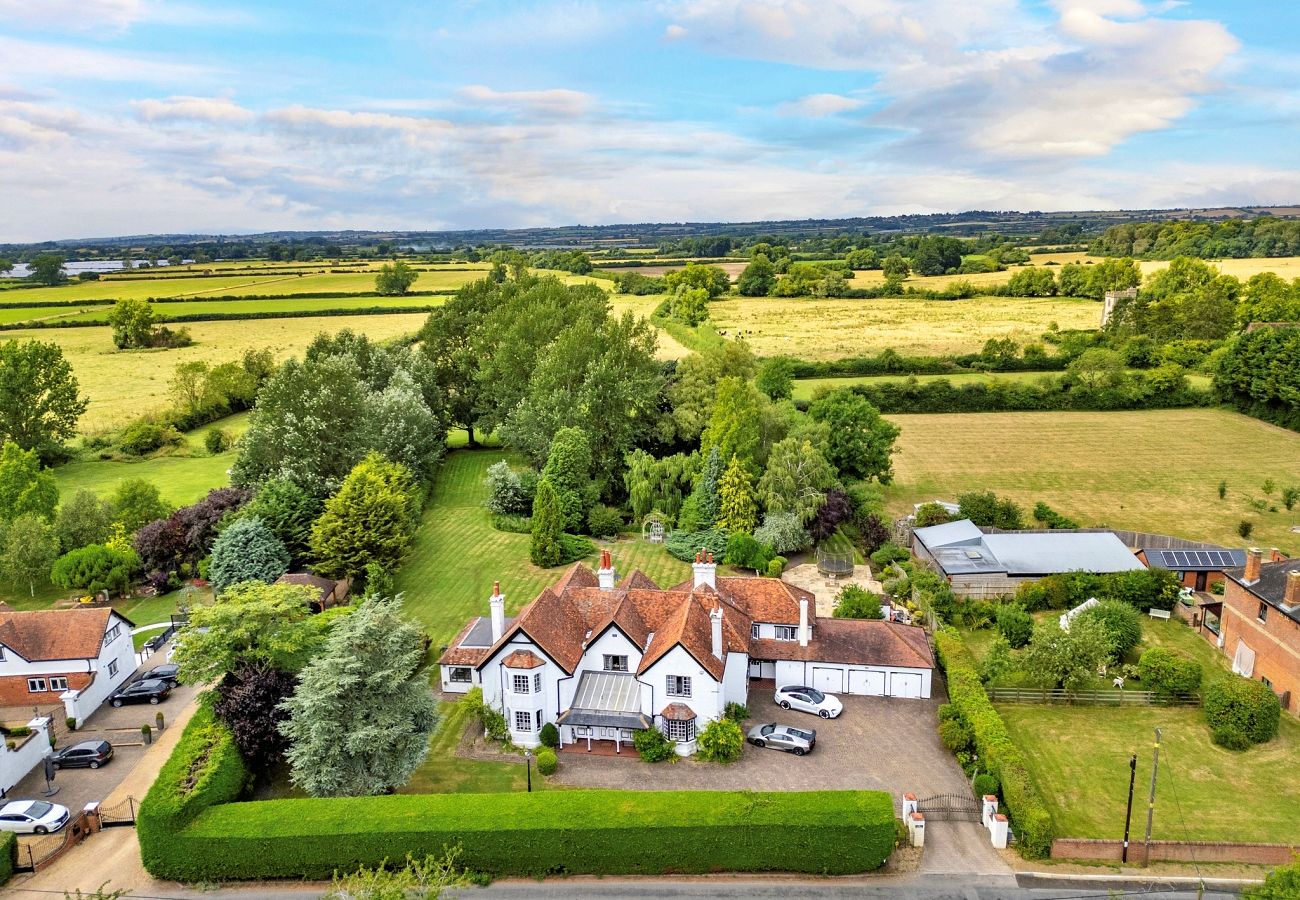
[[79, 15], [41, 60], [556, 101], [817, 106], [215, 110]]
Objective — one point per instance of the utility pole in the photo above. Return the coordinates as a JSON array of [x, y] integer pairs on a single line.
[[1128, 811], [1151, 800]]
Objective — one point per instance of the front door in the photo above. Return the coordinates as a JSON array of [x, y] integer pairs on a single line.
[[1200, 581]]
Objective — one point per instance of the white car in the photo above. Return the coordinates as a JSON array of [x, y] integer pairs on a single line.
[[32, 816], [809, 700]]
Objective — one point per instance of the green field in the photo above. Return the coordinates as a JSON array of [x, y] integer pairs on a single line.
[[807, 388], [222, 308], [458, 554], [1147, 471]]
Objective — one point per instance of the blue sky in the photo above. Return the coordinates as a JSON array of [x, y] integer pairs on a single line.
[[134, 116]]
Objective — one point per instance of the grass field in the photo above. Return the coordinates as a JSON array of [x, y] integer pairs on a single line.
[[458, 554], [99, 314], [123, 385], [807, 388], [1148, 471], [833, 329]]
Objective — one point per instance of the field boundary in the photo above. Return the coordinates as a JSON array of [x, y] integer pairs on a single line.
[[1106, 850], [1089, 698], [38, 324]]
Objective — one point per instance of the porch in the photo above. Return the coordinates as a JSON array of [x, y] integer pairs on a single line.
[[606, 710]]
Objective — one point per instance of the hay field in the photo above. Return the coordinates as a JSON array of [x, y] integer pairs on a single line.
[[122, 385], [1155, 471], [165, 311], [833, 329]]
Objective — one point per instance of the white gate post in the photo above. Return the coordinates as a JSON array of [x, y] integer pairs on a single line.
[[990, 810], [999, 831], [916, 825], [909, 806]]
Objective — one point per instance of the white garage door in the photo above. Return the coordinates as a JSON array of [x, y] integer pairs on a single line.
[[828, 680], [871, 684], [904, 684]]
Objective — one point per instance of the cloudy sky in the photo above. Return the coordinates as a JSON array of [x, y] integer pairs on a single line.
[[134, 116]]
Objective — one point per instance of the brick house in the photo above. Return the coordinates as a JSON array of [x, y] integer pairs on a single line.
[[76, 657], [1259, 624]]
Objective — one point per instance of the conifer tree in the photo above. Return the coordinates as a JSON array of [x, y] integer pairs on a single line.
[[737, 510], [548, 524]]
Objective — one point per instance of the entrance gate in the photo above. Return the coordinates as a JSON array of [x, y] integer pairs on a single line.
[[951, 808], [119, 815]]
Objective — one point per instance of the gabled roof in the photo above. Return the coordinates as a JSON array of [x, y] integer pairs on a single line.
[[55, 634], [762, 599], [523, 659], [855, 642], [1271, 584], [690, 628]]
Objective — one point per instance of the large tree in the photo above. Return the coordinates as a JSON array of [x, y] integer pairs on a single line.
[[695, 382], [738, 511], [447, 340], [83, 519], [403, 428], [1069, 659], [250, 701], [370, 520], [860, 441], [360, 718], [289, 511], [246, 551], [395, 278], [758, 279], [736, 424], [252, 624], [545, 549], [39, 399], [25, 488], [796, 479], [30, 549], [47, 269], [132, 321], [568, 468]]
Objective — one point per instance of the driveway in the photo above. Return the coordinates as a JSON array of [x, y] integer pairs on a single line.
[[121, 728]]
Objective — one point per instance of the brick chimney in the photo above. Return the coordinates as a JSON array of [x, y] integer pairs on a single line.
[[705, 570], [1291, 598], [803, 622], [1253, 559], [715, 621], [497, 604], [605, 575], [1275, 555]]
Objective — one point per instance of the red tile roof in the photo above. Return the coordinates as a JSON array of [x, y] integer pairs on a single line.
[[678, 712], [456, 655], [51, 634], [523, 659], [855, 642]]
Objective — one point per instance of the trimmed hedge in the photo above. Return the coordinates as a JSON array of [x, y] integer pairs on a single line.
[[1243, 705], [203, 771], [543, 833], [998, 753], [8, 855]]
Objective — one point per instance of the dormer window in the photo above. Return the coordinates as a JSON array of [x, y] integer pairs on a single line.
[[755, 631], [787, 633], [615, 663]]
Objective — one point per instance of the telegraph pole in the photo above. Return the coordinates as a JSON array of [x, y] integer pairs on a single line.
[[1128, 812], [1151, 800]]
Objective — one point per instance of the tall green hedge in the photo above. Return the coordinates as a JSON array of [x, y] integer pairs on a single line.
[[998, 753], [545, 833], [204, 770], [8, 855]]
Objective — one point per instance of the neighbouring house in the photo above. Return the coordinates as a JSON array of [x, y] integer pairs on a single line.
[[1198, 569], [602, 658], [332, 593], [1259, 624], [27, 751], [988, 564], [76, 657]]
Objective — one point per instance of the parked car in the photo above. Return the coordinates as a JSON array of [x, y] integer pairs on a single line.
[[783, 737], [32, 816], [85, 755], [809, 700], [149, 690], [168, 672]]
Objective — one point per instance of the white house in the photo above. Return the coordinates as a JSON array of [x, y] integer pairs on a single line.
[[73, 656], [602, 659]]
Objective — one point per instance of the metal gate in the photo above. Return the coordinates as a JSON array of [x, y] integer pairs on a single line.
[[119, 815], [39, 850], [951, 808]]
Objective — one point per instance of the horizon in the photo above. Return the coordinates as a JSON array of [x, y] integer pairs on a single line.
[[135, 117]]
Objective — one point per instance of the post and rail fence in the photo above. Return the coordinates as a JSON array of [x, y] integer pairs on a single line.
[[1090, 698]]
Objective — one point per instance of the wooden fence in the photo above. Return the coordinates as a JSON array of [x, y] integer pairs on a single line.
[[1090, 698]]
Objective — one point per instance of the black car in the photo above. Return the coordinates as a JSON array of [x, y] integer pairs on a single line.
[[148, 690], [86, 755], [167, 672]]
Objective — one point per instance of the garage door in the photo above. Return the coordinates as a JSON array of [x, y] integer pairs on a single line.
[[871, 684], [904, 684], [828, 680]]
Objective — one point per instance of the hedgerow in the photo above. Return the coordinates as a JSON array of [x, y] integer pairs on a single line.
[[8, 855], [997, 752], [537, 834], [231, 316]]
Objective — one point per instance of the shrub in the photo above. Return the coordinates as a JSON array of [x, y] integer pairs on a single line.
[[574, 547], [1015, 624], [736, 712], [783, 532], [1244, 528], [71, 722], [549, 736], [604, 521], [855, 602], [508, 492], [1283, 883], [684, 545], [217, 440], [96, 568], [776, 566], [928, 514], [889, 552], [1122, 623], [491, 718], [745, 552], [8, 855], [653, 747], [1168, 673], [949, 713], [998, 754], [956, 735], [1230, 737], [552, 832], [985, 784], [512, 524], [721, 741], [1247, 705], [140, 438], [547, 762]]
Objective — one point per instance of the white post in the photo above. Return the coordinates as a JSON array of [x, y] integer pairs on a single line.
[[916, 825], [990, 810], [909, 806], [999, 831], [497, 606]]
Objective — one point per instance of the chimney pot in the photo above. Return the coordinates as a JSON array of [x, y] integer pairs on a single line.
[[605, 577], [704, 572], [1253, 560]]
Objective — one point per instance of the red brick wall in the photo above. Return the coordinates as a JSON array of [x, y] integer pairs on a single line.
[[1173, 851], [13, 688], [1276, 642]]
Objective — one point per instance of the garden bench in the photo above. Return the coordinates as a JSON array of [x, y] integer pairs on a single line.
[[1158, 613]]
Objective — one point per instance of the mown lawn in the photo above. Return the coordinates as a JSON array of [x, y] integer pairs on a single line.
[[458, 554], [1155, 470], [445, 773], [1079, 758]]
